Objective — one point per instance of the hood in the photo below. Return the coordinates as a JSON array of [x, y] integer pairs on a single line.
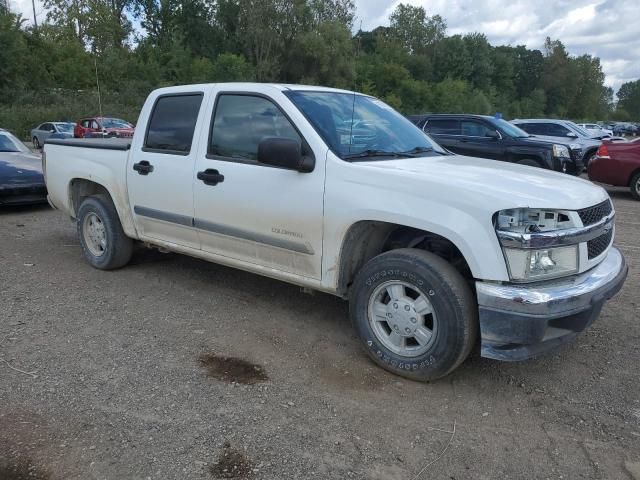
[[474, 183], [545, 139], [18, 168]]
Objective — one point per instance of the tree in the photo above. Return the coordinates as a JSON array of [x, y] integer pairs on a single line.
[[629, 99]]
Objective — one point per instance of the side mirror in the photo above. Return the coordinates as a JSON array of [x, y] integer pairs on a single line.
[[284, 153], [493, 134], [572, 135]]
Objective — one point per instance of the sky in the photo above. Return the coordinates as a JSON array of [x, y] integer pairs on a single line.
[[608, 29]]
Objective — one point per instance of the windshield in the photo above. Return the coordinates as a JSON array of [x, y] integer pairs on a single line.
[[510, 129], [65, 127], [355, 125], [115, 123], [9, 143]]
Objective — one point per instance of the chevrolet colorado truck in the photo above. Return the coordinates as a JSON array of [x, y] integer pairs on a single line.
[[335, 191]]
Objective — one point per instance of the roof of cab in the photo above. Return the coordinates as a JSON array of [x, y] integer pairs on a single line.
[[251, 86]]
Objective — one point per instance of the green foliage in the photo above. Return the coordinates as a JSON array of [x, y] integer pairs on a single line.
[[629, 98], [50, 73]]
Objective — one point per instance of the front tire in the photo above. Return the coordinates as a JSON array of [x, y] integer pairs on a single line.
[[36, 143], [103, 241], [414, 313], [634, 185]]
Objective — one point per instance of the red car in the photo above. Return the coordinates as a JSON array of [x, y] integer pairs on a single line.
[[618, 164], [102, 127]]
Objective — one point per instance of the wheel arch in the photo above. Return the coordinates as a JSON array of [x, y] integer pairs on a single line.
[[368, 238], [81, 188]]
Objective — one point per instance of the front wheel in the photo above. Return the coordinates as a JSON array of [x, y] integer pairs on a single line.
[[36, 143], [103, 241], [414, 313]]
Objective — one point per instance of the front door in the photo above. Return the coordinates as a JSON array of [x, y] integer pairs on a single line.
[[259, 214], [479, 139], [160, 173]]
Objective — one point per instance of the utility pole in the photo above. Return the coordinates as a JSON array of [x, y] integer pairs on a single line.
[[35, 21]]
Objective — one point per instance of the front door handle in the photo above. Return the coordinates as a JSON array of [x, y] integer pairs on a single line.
[[211, 177], [143, 167]]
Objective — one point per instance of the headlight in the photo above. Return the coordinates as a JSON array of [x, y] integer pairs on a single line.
[[531, 265], [560, 151], [525, 262]]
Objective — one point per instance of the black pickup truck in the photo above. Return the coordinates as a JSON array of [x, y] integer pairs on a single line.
[[490, 137]]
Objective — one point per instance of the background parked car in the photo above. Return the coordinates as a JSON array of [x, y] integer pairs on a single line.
[[596, 131], [51, 129], [618, 164], [21, 179], [624, 128], [103, 127], [562, 129], [489, 137]]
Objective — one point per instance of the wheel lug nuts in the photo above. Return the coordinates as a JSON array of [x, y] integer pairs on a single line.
[[413, 320], [408, 330], [406, 307], [395, 305]]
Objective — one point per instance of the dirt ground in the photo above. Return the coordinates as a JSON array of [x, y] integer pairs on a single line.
[[131, 375]]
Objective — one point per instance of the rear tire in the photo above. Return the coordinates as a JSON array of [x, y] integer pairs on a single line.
[[634, 185], [103, 241], [414, 313]]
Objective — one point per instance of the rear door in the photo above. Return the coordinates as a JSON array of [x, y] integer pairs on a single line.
[[445, 131], [160, 173], [259, 214], [476, 140]]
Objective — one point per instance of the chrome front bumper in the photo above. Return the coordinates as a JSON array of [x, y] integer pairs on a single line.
[[522, 321]]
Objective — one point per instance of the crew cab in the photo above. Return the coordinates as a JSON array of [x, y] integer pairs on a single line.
[[490, 137], [435, 252]]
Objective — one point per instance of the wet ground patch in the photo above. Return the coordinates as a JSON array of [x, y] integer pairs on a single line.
[[231, 464], [21, 468], [230, 369]]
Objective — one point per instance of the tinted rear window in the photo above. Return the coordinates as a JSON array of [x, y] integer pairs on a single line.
[[443, 127], [173, 122]]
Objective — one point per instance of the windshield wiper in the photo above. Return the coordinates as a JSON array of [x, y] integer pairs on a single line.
[[378, 153], [416, 150]]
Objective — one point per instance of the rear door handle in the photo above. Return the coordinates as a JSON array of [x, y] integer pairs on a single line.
[[210, 177], [143, 167]]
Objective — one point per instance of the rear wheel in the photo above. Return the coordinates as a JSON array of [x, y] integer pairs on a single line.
[[414, 313], [635, 186], [102, 238]]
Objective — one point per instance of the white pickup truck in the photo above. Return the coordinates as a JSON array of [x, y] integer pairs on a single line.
[[335, 191]]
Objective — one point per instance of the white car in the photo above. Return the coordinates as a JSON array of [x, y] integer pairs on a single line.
[[598, 131], [435, 252]]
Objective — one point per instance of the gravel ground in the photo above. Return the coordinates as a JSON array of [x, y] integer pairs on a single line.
[[130, 375]]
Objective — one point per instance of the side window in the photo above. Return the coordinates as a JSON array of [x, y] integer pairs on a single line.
[[556, 130], [471, 128], [85, 123], [172, 124], [532, 128], [443, 127], [241, 122], [94, 125]]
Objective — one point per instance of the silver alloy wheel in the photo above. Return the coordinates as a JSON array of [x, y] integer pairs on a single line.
[[95, 235], [638, 186], [402, 318]]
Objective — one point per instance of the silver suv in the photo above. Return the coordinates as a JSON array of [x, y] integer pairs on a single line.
[[564, 129]]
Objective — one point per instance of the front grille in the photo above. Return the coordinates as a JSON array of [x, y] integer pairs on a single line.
[[598, 245], [592, 215]]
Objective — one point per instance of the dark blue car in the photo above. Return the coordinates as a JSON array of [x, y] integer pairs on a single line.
[[21, 178]]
